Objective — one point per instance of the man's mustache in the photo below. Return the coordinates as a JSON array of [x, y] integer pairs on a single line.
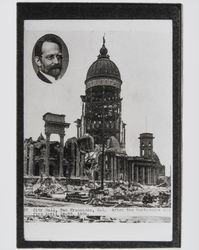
[[56, 66]]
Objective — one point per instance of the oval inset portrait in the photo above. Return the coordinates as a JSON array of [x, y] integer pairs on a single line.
[[50, 58]]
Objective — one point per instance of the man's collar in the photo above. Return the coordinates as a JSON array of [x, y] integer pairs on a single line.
[[50, 78]]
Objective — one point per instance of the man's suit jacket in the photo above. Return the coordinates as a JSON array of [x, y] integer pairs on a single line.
[[43, 78]]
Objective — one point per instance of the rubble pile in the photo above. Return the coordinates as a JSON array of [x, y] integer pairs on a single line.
[[28, 189], [46, 187], [117, 195], [159, 195], [120, 194], [79, 197], [124, 195]]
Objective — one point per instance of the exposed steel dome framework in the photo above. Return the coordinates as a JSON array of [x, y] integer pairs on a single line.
[[102, 102]]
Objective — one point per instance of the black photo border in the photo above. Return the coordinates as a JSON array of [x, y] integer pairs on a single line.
[[91, 11]]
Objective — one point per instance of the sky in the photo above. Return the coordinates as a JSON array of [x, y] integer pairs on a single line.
[[142, 51]]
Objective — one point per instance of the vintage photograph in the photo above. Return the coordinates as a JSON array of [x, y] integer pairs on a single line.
[[50, 58], [98, 129], [111, 115]]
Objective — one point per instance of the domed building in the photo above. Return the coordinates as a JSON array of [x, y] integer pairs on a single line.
[[101, 113]]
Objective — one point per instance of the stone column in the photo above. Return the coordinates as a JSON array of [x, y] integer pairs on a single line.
[[132, 172], [112, 167], [78, 163], [137, 173], [124, 169], [143, 175], [145, 169], [30, 166], [148, 179], [156, 176], [108, 166], [118, 168], [153, 174], [61, 155], [82, 161], [154, 182], [149, 175], [72, 160], [47, 154], [115, 167]]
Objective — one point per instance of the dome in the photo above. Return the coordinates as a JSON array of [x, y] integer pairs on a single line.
[[103, 66]]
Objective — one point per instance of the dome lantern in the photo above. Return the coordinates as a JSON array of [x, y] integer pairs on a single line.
[[103, 51]]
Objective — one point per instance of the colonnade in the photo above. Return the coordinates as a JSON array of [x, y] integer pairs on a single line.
[[118, 167], [143, 174]]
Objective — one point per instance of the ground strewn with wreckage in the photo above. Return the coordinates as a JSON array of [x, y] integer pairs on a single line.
[[49, 192]]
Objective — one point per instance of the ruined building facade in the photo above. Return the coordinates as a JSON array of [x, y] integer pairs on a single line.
[[146, 168], [101, 136]]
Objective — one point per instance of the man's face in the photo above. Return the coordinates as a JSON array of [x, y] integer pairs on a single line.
[[50, 61]]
